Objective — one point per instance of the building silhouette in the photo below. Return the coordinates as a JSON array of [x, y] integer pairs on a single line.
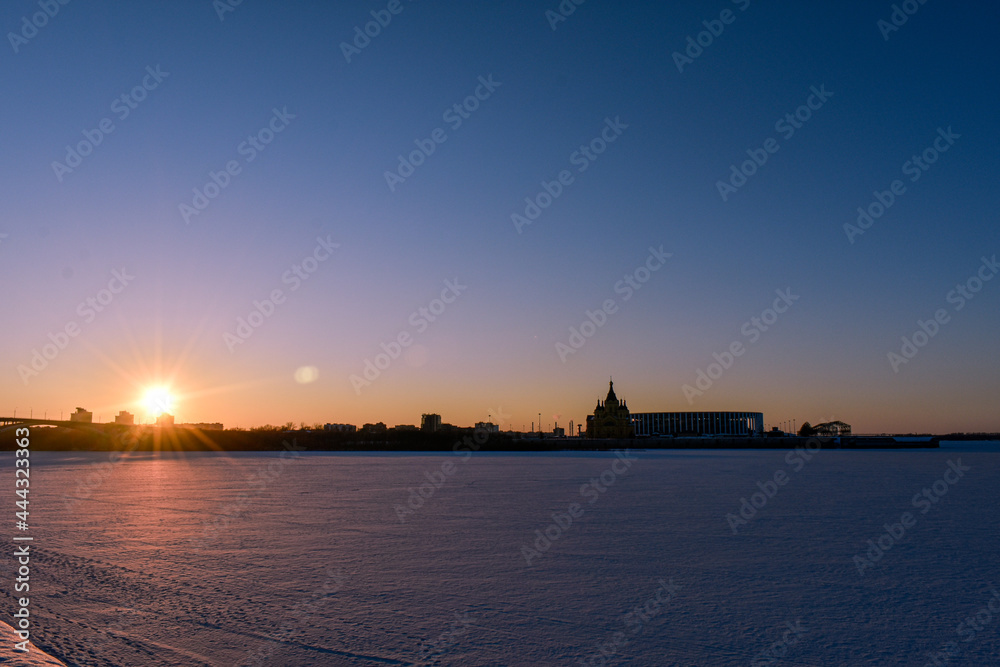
[[832, 429], [430, 423], [203, 426], [611, 419], [340, 428], [82, 415], [125, 418], [698, 423]]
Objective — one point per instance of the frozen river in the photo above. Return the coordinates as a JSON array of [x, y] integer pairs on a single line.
[[644, 558]]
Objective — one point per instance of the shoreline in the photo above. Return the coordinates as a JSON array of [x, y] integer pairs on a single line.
[[124, 441]]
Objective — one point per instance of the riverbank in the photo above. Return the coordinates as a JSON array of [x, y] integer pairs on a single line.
[[109, 437]]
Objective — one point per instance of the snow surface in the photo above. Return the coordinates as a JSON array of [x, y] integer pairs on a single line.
[[32, 658], [314, 567]]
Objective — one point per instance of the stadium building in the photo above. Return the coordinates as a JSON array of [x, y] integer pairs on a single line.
[[612, 419], [698, 423]]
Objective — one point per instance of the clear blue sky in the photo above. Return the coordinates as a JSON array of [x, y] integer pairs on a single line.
[[493, 349]]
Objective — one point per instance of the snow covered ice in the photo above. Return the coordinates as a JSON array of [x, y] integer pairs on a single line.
[[516, 559], [33, 657]]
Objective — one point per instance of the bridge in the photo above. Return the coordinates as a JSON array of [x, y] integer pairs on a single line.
[[9, 422]]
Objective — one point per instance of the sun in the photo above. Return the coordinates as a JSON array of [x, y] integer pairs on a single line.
[[158, 400]]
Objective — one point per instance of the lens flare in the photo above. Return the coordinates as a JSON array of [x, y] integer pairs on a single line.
[[158, 400]]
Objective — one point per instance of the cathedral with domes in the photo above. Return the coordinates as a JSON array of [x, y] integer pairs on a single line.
[[611, 419]]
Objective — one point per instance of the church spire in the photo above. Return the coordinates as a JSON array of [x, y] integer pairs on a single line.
[[610, 419]]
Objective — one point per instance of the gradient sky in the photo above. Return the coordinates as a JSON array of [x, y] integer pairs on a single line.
[[493, 350]]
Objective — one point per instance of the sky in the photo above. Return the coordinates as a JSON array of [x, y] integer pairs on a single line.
[[673, 169]]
